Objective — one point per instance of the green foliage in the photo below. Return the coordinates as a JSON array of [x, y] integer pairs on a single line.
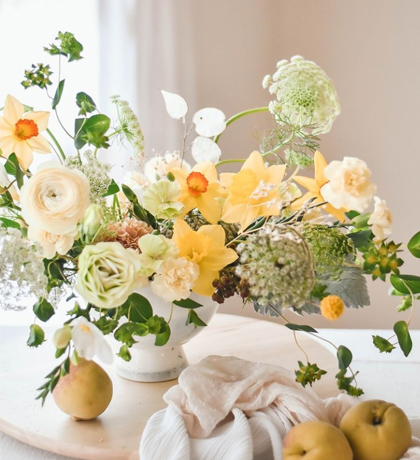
[[319, 291], [308, 374], [112, 189], [58, 94], [68, 47], [298, 327], [92, 131], [6, 223], [126, 332], [193, 318], [138, 210], [163, 337], [382, 260], [360, 238], [38, 75], [52, 379], [187, 303], [345, 357], [404, 338], [13, 168], [414, 245], [406, 284], [383, 345], [138, 308], [85, 103], [36, 336], [124, 353], [43, 310], [106, 325]]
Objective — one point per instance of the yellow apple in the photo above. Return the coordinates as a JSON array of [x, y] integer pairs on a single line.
[[377, 430], [316, 441], [85, 392]]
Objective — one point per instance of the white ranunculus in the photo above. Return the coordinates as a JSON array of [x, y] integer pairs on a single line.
[[108, 274], [55, 198], [380, 220], [175, 279], [89, 341], [349, 184], [51, 243]]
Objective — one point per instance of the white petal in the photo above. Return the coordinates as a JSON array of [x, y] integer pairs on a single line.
[[176, 106], [104, 352], [204, 149], [209, 122]]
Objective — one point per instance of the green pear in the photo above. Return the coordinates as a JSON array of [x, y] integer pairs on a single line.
[[316, 441], [377, 430], [85, 392]]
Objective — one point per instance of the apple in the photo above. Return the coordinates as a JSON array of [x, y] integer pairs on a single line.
[[85, 392], [377, 430], [316, 441]]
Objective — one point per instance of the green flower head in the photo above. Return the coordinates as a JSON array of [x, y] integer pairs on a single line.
[[160, 199]]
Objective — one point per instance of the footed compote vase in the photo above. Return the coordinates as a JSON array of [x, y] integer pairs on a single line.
[[151, 363]]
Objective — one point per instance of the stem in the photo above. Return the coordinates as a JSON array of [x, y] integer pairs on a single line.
[[240, 115], [63, 156], [225, 162]]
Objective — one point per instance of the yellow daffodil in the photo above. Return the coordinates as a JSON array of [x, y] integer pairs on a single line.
[[200, 189], [314, 187], [205, 247], [19, 132], [252, 192]]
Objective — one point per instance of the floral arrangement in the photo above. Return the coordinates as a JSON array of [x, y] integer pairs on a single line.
[[70, 230]]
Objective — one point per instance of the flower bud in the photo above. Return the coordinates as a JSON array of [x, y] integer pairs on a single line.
[[61, 337], [92, 221]]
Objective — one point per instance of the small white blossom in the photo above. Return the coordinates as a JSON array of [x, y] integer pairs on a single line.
[[380, 220], [159, 166]]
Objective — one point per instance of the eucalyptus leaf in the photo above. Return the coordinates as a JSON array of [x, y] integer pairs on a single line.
[[404, 338], [58, 94], [298, 327]]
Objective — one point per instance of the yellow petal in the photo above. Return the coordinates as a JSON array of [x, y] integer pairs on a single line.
[[339, 214], [226, 179], [209, 207], [255, 162], [220, 257], [232, 213], [276, 173], [7, 144], [215, 232], [39, 144], [207, 169], [13, 109], [40, 118], [180, 175], [310, 184], [24, 154], [248, 217], [181, 229], [204, 282], [301, 201], [320, 164], [6, 129]]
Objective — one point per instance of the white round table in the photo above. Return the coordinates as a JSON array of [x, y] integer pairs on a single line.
[[116, 434]]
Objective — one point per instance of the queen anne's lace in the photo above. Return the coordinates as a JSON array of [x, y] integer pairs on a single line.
[[21, 269], [304, 94]]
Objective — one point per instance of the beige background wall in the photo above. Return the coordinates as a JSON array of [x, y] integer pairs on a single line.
[[215, 53]]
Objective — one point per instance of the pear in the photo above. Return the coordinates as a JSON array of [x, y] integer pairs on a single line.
[[85, 392]]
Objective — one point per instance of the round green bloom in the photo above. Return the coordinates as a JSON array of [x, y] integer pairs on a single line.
[[277, 265], [304, 94], [160, 199]]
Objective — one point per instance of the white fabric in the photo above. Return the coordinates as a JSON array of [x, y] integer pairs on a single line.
[[229, 408]]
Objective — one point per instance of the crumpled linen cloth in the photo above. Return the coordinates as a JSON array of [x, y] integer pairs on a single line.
[[229, 408]]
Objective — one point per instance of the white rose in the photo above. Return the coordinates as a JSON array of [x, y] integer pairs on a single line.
[[175, 279], [51, 243], [349, 184], [55, 198], [380, 220], [108, 274]]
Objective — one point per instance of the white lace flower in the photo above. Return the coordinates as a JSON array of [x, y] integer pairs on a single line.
[[159, 166], [349, 184], [380, 220], [175, 279], [89, 341], [304, 93]]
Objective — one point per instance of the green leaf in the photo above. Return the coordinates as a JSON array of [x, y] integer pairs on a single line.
[[124, 334], [352, 214], [112, 189], [13, 168], [404, 338], [414, 245], [163, 337], [383, 345], [156, 325], [60, 352], [406, 303], [97, 123], [6, 223], [79, 142], [43, 310], [140, 329], [124, 353], [58, 94], [106, 325], [139, 308], [298, 327], [193, 318], [406, 284], [187, 303], [85, 103], [361, 238], [344, 357], [131, 196], [138, 210], [36, 336]]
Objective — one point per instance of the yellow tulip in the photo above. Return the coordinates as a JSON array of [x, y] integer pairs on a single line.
[[19, 133], [252, 192], [314, 187], [200, 189], [205, 247]]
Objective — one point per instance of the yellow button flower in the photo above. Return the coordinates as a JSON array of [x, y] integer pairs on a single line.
[[314, 187], [200, 189], [332, 307], [19, 132], [253, 191], [206, 248]]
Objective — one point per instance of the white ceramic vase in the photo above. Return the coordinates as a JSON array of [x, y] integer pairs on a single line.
[[150, 363]]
